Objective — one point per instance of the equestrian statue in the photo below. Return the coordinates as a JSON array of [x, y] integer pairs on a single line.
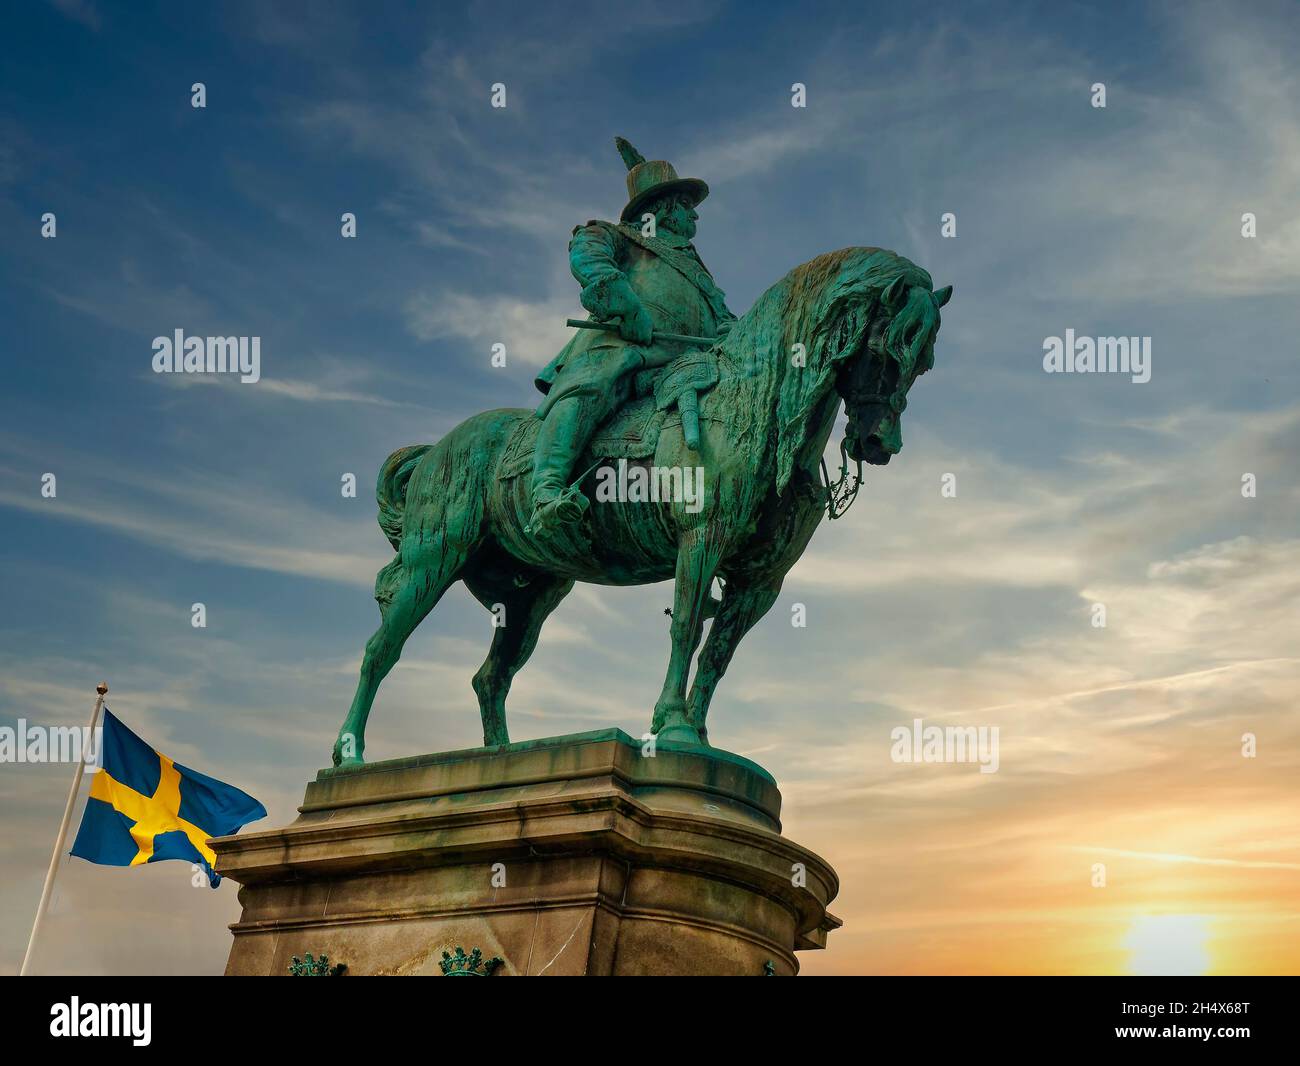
[[662, 378]]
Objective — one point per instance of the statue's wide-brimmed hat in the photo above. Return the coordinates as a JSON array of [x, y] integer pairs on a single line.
[[650, 179]]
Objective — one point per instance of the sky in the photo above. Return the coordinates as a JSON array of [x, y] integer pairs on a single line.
[[1121, 747]]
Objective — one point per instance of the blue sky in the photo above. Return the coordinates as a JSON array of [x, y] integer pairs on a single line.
[[1071, 489]]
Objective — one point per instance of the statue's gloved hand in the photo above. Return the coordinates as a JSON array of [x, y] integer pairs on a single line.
[[612, 297], [636, 327], [724, 327]]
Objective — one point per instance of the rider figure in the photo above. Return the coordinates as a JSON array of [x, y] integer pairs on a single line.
[[648, 277]]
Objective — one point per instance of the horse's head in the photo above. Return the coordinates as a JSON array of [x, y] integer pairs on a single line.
[[896, 348], [891, 336], [859, 322]]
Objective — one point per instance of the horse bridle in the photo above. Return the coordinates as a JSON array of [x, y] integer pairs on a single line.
[[840, 494]]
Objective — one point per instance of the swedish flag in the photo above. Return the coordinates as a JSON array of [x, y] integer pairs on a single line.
[[145, 808]]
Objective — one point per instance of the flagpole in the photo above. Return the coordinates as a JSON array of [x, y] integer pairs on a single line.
[[43, 906]]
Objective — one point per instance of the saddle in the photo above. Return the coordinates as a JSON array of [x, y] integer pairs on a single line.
[[632, 432]]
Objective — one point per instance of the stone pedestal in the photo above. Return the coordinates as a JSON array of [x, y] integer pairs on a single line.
[[575, 855]]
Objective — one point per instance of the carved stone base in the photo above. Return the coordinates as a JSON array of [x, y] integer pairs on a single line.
[[568, 856]]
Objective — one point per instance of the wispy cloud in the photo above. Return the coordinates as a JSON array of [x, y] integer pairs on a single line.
[[533, 332], [82, 11], [201, 516], [1155, 856]]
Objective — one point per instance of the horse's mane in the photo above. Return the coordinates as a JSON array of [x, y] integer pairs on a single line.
[[825, 304]]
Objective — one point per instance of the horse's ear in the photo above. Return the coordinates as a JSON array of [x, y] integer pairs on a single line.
[[893, 295], [942, 296]]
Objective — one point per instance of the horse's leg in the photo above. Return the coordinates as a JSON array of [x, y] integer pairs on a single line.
[[741, 607], [697, 561], [414, 593], [512, 643]]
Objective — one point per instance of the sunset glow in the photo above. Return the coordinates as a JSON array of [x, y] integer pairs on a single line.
[[1172, 944]]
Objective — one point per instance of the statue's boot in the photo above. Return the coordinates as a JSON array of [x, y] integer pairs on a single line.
[[564, 434]]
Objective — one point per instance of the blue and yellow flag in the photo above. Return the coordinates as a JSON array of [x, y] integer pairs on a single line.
[[145, 808]]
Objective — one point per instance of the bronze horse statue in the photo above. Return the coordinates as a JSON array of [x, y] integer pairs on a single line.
[[856, 326]]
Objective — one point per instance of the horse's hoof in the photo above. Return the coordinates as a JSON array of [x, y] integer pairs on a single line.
[[342, 761], [680, 734]]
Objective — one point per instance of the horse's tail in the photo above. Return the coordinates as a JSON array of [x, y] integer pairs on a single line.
[[390, 490]]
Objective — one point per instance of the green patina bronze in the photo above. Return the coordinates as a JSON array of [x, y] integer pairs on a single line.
[[645, 274], [509, 501], [311, 967], [471, 965]]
